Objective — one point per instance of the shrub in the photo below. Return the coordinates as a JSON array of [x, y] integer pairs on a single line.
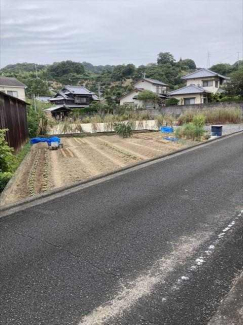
[[123, 130], [190, 131], [199, 120], [7, 160], [171, 102], [4, 179]]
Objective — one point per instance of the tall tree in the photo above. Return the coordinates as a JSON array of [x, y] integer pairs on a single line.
[[222, 68], [165, 57]]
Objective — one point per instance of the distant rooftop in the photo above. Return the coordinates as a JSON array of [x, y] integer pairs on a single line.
[[202, 73], [6, 81], [78, 90], [192, 89], [153, 81]]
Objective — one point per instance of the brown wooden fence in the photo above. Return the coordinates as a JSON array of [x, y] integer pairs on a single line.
[[13, 116]]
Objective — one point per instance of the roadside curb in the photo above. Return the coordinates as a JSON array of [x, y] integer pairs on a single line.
[[49, 194]]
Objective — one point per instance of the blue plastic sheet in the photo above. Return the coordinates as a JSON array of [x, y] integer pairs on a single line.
[[171, 139], [166, 129], [47, 140]]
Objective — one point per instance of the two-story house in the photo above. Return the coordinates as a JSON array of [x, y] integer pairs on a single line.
[[199, 85], [156, 86], [71, 97], [12, 87]]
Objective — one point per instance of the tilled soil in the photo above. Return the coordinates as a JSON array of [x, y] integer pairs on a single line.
[[83, 158]]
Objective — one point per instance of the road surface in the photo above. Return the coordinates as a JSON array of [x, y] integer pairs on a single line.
[[157, 244]]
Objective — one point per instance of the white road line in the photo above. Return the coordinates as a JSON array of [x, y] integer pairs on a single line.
[[143, 285]]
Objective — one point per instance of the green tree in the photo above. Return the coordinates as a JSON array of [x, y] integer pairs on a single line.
[[188, 64], [165, 57], [148, 96], [36, 86], [235, 86], [59, 69], [222, 68]]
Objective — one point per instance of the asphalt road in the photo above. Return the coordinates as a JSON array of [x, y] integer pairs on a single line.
[[160, 244]]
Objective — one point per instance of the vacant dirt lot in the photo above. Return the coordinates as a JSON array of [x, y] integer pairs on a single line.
[[82, 158]]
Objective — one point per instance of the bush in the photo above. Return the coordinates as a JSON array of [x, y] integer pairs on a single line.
[[4, 179], [171, 102], [123, 130], [7, 161], [7, 158], [199, 120], [190, 131]]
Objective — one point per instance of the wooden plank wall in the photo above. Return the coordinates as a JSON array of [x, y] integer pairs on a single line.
[[13, 116]]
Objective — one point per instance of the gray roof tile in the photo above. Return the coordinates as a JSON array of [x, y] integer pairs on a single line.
[[188, 90], [79, 90], [5, 81], [202, 73]]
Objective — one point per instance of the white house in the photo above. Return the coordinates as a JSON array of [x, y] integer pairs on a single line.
[[153, 85], [199, 85], [12, 87]]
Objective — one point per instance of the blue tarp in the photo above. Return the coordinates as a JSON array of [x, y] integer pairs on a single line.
[[47, 140], [171, 139], [166, 129]]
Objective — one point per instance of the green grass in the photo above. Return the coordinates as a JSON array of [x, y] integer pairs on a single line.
[[19, 157]]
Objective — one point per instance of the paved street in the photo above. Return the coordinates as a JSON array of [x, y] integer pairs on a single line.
[[157, 244]]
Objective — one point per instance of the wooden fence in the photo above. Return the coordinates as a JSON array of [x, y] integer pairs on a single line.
[[13, 116]]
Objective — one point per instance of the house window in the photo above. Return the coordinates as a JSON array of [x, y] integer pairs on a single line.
[[208, 83], [157, 89], [81, 100], [12, 93], [216, 84], [189, 101]]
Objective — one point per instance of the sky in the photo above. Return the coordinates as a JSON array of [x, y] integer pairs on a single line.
[[120, 31]]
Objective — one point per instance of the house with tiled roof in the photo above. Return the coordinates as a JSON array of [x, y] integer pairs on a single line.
[[199, 85], [156, 86], [69, 98], [12, 87]]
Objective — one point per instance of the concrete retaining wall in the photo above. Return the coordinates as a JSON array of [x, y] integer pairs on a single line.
[[179, 109], [102, 127]]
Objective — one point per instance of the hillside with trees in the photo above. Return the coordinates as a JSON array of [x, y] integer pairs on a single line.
[[112, 80]]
